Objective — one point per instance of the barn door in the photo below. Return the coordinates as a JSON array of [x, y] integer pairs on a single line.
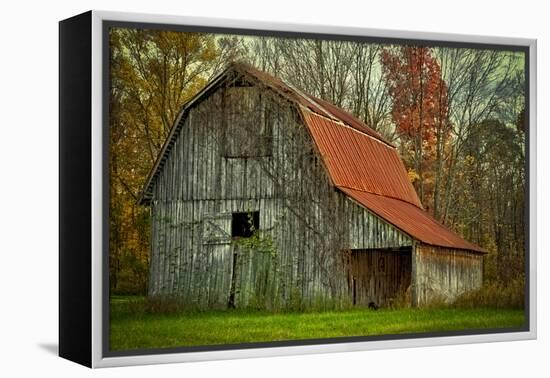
[[216, 240], [378, 277]]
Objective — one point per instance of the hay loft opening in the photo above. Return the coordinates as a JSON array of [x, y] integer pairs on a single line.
[[243, 225]]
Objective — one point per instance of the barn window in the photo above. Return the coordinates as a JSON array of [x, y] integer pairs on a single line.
[[243, 225], [248, 118]]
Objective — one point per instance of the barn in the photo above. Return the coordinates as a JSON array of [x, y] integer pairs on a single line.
[[264, 196]]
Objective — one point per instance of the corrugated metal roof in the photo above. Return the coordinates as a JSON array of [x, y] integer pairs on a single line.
[[411, 220], [358, 161], [350, 120]]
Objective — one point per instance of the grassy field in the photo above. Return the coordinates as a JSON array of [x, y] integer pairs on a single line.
[[133, 328]]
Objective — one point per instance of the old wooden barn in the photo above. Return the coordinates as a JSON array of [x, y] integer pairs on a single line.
[[265, 196]]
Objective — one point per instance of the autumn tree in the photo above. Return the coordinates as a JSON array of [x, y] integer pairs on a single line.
[[153, 73], [419, 111]]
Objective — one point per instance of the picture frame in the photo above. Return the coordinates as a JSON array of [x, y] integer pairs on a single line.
[[84, 189]]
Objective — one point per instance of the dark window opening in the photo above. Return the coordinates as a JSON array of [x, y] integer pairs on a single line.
[[243, 225]]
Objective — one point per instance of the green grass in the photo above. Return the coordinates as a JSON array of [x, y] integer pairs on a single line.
[[133, 328]]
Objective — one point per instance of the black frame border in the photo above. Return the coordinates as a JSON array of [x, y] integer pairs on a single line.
[[75, 188]]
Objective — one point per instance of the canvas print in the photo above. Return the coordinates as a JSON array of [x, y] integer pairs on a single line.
[[272, 188]]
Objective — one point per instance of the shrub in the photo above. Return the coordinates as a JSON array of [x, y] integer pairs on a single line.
[[495, 294]]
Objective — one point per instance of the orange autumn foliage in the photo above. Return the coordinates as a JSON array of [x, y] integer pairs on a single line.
[[419, 110]]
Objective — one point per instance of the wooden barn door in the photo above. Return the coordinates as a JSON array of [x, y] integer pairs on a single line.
[[377, 277]]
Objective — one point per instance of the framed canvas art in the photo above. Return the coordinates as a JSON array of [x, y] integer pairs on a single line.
[[232, 189]]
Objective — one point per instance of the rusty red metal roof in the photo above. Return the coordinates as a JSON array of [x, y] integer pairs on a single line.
[[350, 120], [359, 161], [411, 220]]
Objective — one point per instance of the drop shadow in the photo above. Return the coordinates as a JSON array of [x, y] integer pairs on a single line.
[[51, 348]]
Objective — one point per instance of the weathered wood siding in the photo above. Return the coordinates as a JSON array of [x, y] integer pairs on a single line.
[[444, 273], [368, 231], [305, 225]]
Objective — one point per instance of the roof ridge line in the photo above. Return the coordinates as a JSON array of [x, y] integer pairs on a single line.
[[381, 195], [342, 123], [308, 98], [376, 134]]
